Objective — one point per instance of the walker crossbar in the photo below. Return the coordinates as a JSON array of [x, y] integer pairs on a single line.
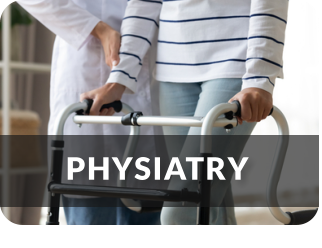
[[202, 197], [123, 192]]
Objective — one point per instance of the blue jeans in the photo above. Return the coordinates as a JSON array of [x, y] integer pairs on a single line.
[[120, 215], [196, 99]]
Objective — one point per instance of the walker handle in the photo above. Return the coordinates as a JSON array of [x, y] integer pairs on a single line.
[[117, 105], [238, 112]]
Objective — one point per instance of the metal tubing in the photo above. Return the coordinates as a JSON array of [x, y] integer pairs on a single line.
[[55, 176], [63, 115], [203, 210], [131, 193], [206, 146], [57, 161], [277, 167], [129, 152], [208, 124], [211, 120], [126, 109], [204, 186], [154, 121]]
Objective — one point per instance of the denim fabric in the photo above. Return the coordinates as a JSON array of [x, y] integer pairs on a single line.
[[120, 215], [196, 99]]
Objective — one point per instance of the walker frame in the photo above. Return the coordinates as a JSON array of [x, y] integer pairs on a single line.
[[202, 196]]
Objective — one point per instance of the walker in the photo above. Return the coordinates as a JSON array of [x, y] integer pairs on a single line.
[[135, 120]]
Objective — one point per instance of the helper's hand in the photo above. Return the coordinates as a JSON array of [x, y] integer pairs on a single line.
[[108, 93], [256, 104], [111, 42]]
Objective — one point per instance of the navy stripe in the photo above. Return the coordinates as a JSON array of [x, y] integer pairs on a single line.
[[151, 1], [215, 62], [125, 74], [205, 19], [148, 1], [279, 18], [222, 40], [222, 17], [259, 77], [133, 55], [206, 63], [267, 60], [144, 18], [202, 41], [266, 37], [136, 36]]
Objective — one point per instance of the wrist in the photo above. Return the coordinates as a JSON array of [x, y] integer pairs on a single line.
[[257, 90], [117, 88], [100, 29]]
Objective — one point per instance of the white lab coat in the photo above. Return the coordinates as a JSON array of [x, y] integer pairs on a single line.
[[78, 58], [78, 63]]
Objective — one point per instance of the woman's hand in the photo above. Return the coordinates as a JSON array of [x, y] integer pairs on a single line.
[[108, 93], [256, 104], [111, 42]]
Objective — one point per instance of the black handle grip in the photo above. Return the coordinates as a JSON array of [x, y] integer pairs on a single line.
[[117, 105], [301, 217], [238, 112]]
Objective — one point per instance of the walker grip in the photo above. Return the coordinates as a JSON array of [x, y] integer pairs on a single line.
[[238, 112], [117, 105]]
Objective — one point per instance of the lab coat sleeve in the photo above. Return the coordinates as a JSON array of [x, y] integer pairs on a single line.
[[64, 18], [266, 37], [140, 23]]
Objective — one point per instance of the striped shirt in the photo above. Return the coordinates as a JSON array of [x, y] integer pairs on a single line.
[[200, 40]]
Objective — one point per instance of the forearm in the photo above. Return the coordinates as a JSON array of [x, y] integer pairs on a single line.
[[138, 29], [265, 43], [100, 30]]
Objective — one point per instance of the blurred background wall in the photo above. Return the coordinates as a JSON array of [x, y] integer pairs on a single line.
[[31, 42], [44, 40]]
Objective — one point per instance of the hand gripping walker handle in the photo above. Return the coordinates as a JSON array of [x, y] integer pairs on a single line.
[[238, 112], [117, 105]]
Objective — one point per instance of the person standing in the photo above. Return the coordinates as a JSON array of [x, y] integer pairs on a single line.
[[85, 50], [209, 52]]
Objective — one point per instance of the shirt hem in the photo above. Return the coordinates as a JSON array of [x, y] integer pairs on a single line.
[[197, 79]]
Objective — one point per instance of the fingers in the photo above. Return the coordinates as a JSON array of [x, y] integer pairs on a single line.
[[108, 112], [254, 109], [246, 109], [104, 112], [115, 58], [266, 112], [256, 104], [111, 49], [84, 96], [246, 113], [112, 58], [96, 107], [240, 121]]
